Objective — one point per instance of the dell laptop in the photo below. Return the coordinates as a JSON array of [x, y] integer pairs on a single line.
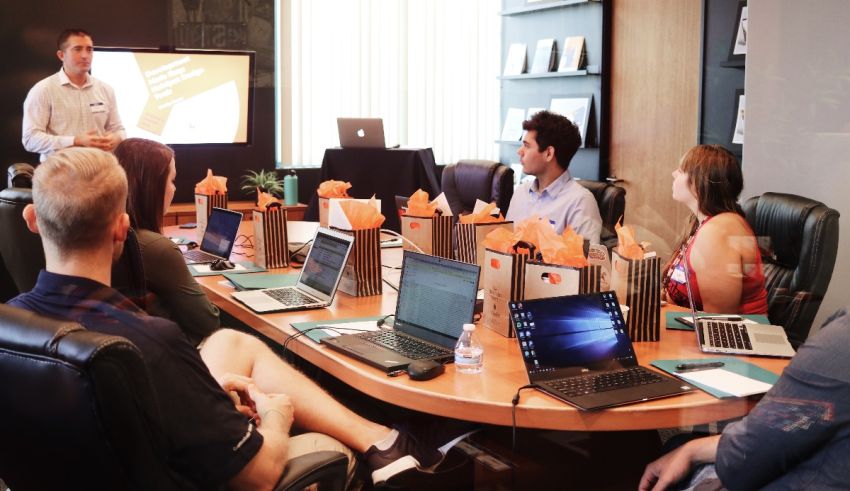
[[737, 337], [317, 282], [361, 132], [436, 297], [219, 237], [577, 349]]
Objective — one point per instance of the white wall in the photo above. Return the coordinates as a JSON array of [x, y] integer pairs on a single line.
[[798, 113]]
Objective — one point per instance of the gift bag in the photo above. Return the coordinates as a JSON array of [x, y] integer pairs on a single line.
[[271, 245], [590, 279], [324, 206], [503, 281], [433, 235], [470, 240], [204, 203], [550, 280], [361, 276], [637, 283]]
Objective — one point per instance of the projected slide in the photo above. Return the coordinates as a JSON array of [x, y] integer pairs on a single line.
[[180, 97]]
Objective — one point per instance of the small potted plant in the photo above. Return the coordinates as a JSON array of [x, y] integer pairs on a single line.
[[266, 181]]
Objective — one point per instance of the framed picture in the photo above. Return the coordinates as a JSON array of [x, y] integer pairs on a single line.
[[738, 125], [738, 49], [576, 108]]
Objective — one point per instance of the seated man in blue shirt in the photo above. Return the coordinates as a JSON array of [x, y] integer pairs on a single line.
[[79, 197], [797, 436], [550, 142]]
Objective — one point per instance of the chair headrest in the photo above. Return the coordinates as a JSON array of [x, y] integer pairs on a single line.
[[20, 175], [16, 196]]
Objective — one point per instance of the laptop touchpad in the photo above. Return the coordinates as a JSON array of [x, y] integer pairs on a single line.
[[768, 338]]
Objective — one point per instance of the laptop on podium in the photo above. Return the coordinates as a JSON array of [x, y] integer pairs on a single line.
[[361, 132]]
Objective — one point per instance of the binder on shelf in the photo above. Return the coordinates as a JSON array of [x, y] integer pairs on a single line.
[[512, 131], [544, 56], [573, 56], [517, 62], [736, 378]]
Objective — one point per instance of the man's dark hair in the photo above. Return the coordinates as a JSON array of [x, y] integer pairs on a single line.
[[556, 131], [64, 35]]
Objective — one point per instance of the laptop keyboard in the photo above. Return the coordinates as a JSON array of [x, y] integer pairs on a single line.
[[290, 297], [601, 382], [406, 345], [198, 256], [727, 335]]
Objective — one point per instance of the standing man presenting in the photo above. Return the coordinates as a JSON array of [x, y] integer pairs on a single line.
[[548, 146], [71, 108]]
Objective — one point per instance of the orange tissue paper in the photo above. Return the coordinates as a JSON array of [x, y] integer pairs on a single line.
[[628, 247], [265, 200], [362, 216], [211, 184], [333, 189], [482, 216], [419, 206]]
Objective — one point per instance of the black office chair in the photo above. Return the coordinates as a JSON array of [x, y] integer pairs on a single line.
[[611, 200], [78, 412], [798, 238], [469, 180], [20, 175]]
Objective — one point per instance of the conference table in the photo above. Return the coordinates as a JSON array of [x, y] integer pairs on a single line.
[[485, 397]]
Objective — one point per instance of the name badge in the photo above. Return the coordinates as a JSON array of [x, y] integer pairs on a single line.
[[97, 107], [678, 276]]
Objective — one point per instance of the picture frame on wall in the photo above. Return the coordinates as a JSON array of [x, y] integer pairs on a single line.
[[738, 48], [577, 108], [737, 138]]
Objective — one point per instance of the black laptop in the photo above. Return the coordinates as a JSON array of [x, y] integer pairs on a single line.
[[436, 298], [219, 237], [577, 349]]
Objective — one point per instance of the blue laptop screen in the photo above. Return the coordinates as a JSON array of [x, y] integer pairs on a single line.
[[222, 228], [585, 332]]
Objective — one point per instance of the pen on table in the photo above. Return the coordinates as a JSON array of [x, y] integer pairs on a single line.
[[683, 367]]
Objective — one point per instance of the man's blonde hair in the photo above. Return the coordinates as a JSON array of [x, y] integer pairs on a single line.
[[78, 192]]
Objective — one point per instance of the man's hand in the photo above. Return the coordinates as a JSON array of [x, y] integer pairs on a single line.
[[236, 387], [274, 409], [676, 465], [92, 139]]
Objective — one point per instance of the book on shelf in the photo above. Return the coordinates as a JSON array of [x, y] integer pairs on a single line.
[[516, 63], [544, 56], [573, 56], [512, 131]]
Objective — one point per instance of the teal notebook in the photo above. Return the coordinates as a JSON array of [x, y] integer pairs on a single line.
[[203, 269], [258, 281], [317, 334], [671, 322], [731, 364]]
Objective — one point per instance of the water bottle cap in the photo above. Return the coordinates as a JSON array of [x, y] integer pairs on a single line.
[[469, 327]]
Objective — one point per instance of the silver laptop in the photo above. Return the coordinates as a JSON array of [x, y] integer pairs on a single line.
[[317, 282], [737, 338], [361, 132], [219, 236]]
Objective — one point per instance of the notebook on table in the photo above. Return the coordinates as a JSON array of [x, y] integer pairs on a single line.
[[219, 237], [737, 337], [361, 132], [317, 282], [577, 349], [436, 298]]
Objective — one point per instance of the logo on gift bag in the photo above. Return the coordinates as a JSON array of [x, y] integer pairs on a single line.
[[494, 263], [551, 278], [414, 225]]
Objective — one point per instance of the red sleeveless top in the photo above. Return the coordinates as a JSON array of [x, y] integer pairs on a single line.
[[753, 293]]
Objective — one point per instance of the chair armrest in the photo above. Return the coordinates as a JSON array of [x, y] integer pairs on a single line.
[[326, 468]]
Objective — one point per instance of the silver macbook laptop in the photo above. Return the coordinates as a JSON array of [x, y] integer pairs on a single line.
[[737, 337], [317, 282], [219, 236], [361, 132]]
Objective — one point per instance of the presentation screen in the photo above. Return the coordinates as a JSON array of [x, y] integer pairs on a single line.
[[181, 96]]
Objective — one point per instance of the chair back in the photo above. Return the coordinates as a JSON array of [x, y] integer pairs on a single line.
[[78, 409], [611, 200], [469, 180], [798, 238]]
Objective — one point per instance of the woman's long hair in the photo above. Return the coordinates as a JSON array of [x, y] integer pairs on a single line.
[[147, 164]]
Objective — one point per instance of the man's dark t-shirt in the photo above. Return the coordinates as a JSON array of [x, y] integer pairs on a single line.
[[210, 441]]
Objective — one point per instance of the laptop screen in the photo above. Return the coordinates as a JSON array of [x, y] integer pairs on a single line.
[[436, 297], [222, 227], [580, 332], [324, 262]]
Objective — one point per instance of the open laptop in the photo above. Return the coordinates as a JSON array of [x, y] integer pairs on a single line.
[[317, 282], [361, 132], [737, 337], [436, 297], [577, 349], [219, 236]]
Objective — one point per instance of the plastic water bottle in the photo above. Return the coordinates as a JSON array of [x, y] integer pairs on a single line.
[[469, 354], [290, 189]]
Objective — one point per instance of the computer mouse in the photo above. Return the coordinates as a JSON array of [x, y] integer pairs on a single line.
[[221, 265], [424, 369]]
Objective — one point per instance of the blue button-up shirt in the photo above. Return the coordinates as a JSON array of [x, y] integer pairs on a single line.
[[564, 202]]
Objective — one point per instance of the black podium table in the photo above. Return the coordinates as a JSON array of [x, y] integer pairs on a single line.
[[382, 172]]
